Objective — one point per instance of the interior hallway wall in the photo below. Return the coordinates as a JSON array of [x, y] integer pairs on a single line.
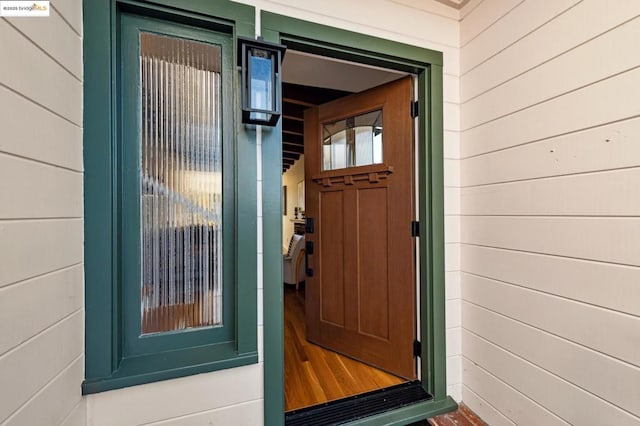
[[41, 226], [290, 179], [550, 176]]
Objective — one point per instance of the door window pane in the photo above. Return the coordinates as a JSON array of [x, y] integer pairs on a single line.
[[354, 141], [181, 184]]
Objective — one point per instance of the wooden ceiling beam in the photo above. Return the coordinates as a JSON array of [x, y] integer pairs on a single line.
[[290, 117], [292, 155], [298, 102], [292, 126], [288, 147], [295, 139], [311, 95], [293, 110]]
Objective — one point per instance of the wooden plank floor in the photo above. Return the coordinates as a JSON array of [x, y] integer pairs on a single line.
[[312, 374], [463, 416]]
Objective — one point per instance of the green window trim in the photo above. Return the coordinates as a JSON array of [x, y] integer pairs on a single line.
[[427, 65], [108, 364]]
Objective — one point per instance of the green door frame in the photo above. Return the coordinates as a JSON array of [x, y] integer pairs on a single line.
[[427, 65]]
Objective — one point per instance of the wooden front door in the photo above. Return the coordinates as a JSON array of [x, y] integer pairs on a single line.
[[360, 292]]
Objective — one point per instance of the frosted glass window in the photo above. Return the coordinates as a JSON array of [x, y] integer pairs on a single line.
[[355, 141], [181, 184]]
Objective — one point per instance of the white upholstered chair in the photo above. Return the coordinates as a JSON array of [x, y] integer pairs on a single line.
[[293, 261]]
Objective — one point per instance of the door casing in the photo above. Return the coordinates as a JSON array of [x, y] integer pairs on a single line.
[[427, 65]]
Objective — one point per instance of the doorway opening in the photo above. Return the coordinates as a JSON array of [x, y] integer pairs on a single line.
[[357, 160]]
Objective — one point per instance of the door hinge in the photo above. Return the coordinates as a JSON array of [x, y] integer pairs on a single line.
[[415, 228], [415, 109], [417, 348]]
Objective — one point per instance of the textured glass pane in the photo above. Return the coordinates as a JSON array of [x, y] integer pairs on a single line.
[[261, 65], [181, 184], [355, 141]]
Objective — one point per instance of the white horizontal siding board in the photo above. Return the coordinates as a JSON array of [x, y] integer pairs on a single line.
[[615, 240], [487, 412], [451, 145], [519, 22], [432, 7], [32, 248], [453, 343], [29, 367], [38, 190], [52, 296], [567, 401], [450, 57], [452, 229], [613, 193], [513, 404], [246, 414], [454, 370], [53, 403], [451, 88], [602, 148], [36, 76], [588, 19], [602, 330], [77, 416], [453, 317], [422, 24], [618, 383], [21, 137], [451, 117], [452, 256], [602, 284], [71, 10], [455, 392], [451, 172], [408, 26], [452, 279], [452, 201], [482, 17], [157, 401], [601, 103], [56, 37], [570, 71]]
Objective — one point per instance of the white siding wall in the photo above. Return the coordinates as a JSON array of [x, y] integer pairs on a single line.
[[41, 260], [550, 177]]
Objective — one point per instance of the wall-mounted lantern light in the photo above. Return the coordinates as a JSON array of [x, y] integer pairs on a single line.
[[261, 80]]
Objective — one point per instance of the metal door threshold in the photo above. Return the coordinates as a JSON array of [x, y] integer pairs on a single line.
[[358, 406]]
